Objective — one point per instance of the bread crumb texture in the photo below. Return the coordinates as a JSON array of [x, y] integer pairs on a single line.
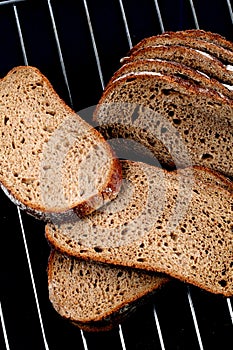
[[88, 291], [46, 147], [188, 236]]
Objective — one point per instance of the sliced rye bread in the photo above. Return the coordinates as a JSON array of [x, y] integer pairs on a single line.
[[172, 68], [179, 123], [95, 296], [178, 38], [203, 35], [178, 223], [195, 59], [52, 161]]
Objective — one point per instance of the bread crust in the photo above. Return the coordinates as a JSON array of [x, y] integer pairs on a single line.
[[111, 317], [191, 33], [171, 68], [188, 56], [129, 254], [109, 189]]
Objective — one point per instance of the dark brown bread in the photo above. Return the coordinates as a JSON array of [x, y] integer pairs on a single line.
[[181, 124], [178, 223], [51, 159], [190, 57], [172, 68], [95, 296], [180, 38], [205, 35]]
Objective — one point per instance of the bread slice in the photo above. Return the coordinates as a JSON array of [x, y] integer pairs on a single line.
[[200, 35], [190, 57], [180, 38], [52, 161], [181, 124], [95, 296], [178, 223], [175, 69]]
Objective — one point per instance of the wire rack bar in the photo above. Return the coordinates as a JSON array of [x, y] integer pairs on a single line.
[[33, 280], [194, 319], [20, 35], [194, 14], [159, 16], [230, 10], [94, 43], [158, 328], [4, 328], [59, 50], [125, 24], [230, 309], [84, 340], [10, 2], [18, 210], [122, 338]]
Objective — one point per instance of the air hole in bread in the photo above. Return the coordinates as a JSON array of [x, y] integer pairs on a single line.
[[119, 274], [207, 156], [5, 120], [140, 259], [130, 79], [98, 249], [175, 120], [167, 92], [223, 283]]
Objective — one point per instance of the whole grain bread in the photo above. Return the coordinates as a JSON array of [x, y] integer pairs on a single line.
[[178, 223], [198, 34], [180, 123], [182, 39], [52, 161], [95, 296], [195, 59], [175, 69]]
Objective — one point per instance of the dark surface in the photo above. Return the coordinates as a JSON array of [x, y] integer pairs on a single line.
[[20, 309]]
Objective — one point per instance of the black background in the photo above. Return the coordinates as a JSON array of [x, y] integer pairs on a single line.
[[18, 303]]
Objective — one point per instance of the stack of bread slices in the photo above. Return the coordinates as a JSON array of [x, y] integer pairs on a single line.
[[119, 228]]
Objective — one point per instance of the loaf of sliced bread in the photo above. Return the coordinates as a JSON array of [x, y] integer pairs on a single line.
[[172, 68], [180, 123], [95, 296], [191, 34], [52, 161], [196, 59], [178, 38], [178, 223]]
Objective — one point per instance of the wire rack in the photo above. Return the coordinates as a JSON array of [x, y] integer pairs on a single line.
[[78, 45]]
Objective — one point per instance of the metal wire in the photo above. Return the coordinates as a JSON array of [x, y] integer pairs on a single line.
[[84, 340], [122, 338], [18, 210], [4, 328], [158, 329], [230, 10], [125, 24], [159, 15], [194, 319], [194, 14], [59, 50], [94, 43], [20, 35], [230, 309], [10, 2]]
